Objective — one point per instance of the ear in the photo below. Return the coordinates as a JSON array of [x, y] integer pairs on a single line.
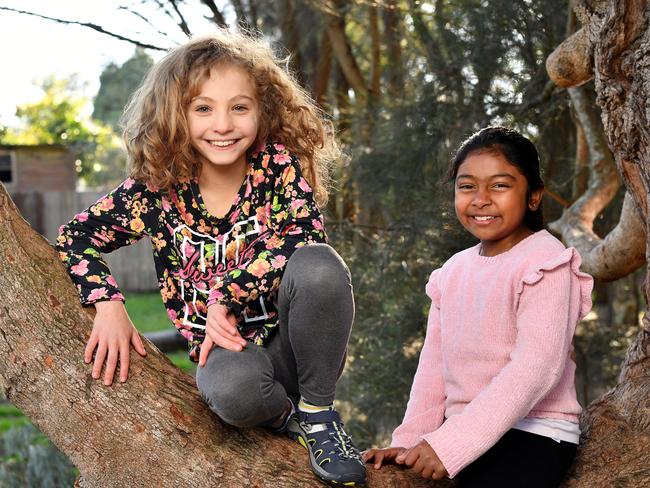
[[535, 199]]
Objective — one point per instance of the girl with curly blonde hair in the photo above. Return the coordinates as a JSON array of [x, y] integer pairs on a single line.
[[229, 162]]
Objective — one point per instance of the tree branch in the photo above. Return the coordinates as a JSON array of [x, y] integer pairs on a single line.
[[623, 249], [153, 430], [181, 22], [146, 20], [217, 16], [343, 51], [570, 64], [90, 26]]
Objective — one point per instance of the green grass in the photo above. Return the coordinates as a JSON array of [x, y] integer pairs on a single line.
[[147, 312], [149, 315], [10, 417]]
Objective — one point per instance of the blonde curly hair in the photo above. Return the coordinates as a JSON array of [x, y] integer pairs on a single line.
[[155, 124]]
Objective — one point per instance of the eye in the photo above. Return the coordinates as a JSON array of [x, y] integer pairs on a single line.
[[465, 186], [500, 186], [240, 108], [202, 109]]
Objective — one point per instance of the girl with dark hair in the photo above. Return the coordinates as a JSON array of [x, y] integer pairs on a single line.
[[493, 401]]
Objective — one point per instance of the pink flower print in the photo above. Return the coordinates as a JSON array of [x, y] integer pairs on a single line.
[[111, 281], [105, 204], [128, 183], [81, 217], [187, 249], [185, 333], [215, 296], [80, 269], [259, 267], [318, 224], [172, 314], [98, 293], [304, 186], [281, 159], [234, 217], [279, 147], [274, 242], [166, 206], [296, 204], [236, 291], [279, 262]]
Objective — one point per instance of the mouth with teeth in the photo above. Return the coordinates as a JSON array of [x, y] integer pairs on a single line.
[[222, 144], [483, 218]]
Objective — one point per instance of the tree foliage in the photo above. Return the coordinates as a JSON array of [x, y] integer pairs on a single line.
[[116, 84], [61, 117]]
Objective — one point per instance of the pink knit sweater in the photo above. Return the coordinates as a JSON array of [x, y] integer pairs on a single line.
[[497, 349]]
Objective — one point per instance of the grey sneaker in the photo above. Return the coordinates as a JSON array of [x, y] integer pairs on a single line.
[[332, 455]]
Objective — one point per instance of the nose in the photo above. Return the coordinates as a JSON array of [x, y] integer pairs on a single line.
[[481, 198], [222, 122]]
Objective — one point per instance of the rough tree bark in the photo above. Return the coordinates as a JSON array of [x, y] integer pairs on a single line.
[[153, 430], [614, 43]]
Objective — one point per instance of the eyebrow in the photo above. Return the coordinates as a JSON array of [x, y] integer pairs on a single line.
[[233, 98], [498, 175]]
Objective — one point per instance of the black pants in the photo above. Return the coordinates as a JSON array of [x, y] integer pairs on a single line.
[[520, 460]]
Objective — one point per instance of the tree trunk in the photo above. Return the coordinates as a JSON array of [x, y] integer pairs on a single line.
[[616, 47], [153, 430]]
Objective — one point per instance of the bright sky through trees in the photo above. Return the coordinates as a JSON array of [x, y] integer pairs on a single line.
[[34, 48]]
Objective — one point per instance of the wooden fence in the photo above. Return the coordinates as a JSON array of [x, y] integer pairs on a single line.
[[131, 266]]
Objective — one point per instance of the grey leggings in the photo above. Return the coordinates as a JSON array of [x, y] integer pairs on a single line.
[[304, 358]]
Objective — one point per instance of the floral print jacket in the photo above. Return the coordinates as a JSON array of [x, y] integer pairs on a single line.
[[237, 260]]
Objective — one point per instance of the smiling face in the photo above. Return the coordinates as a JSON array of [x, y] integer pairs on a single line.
[[491, 200], [223, 118]]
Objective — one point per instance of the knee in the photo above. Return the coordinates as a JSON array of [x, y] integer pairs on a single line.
[[316, 266], [233, 392]]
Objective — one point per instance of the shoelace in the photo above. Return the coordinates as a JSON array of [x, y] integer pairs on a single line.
[[343, 442]]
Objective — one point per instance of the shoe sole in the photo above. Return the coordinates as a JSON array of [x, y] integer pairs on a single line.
[[318, 471]]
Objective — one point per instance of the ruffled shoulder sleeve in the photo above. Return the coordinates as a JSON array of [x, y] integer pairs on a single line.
[[570, 258], [433, 288]]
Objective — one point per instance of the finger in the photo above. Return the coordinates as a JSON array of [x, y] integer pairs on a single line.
[[227, 324], [90, 348], [100, 355], [418, 466], [124, 361], [412, 457], [399, 459], [136, 340], [379, 459], [206, 346], [111, 364], [218, 329], [368, 454], [232, 345], [228, 328], [438, 475], [232, 319], [427, 471]]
